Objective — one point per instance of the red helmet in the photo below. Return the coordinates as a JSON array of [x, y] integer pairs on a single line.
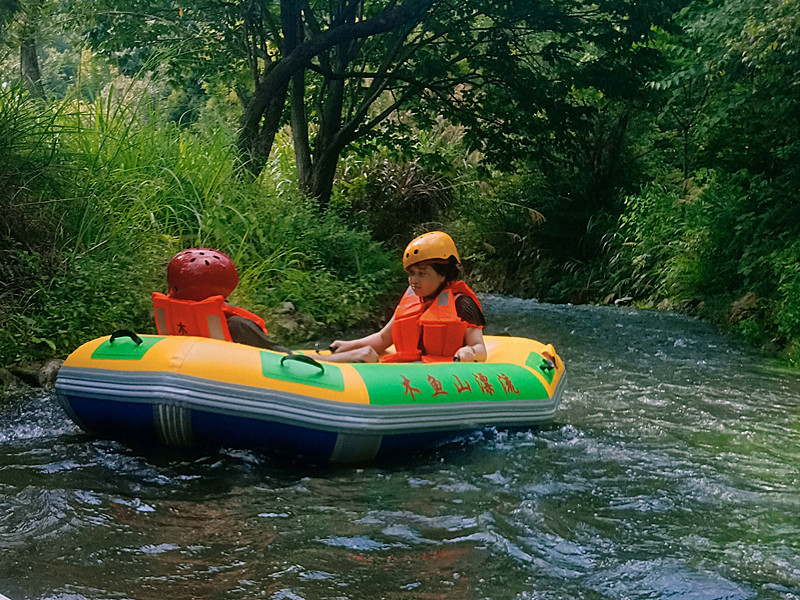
[[198, 273]]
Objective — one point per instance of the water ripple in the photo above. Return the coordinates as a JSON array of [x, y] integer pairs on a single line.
[[672, 472]]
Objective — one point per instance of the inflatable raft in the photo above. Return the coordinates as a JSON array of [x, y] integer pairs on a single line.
[[186, 391]]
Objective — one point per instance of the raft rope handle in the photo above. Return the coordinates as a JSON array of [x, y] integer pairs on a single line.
[[303, 358], [547, 364], [549, 358], [125, 333]]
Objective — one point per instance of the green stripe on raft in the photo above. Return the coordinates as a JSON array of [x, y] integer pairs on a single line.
[[440, 383]]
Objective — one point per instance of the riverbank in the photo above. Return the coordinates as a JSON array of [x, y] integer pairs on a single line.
[[97, 197], [34, 374]]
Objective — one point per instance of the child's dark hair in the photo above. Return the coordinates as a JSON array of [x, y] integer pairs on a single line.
[[451, 270]]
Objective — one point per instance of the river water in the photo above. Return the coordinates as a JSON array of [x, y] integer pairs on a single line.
[[672, 471]]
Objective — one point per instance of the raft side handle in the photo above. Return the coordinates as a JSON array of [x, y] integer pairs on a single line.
[[125, 333], [304, 359]]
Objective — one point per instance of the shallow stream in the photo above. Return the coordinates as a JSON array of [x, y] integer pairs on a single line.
[[672, 471]]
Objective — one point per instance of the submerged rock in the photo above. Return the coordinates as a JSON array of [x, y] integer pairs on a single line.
[[624, 301], [8, 380], [610, 298], [48, 373], [35, 374]]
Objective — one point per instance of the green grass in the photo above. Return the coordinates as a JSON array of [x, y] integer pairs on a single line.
[[725, 236], [108, 197]]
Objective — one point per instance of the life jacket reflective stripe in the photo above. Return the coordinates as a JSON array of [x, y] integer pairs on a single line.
[[429, 330], [206, 318]]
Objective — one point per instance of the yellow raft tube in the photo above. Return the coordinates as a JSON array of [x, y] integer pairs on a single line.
[[186, 391]]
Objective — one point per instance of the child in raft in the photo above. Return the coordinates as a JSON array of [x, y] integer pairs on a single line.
[[196, 274], [439, 318]]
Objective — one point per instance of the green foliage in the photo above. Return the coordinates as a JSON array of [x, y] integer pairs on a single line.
[[494, 228], [397, 183], [721, 239], [392, 199], [131, 194], [571, 150], [89, 296], [33, 186], [321, 265], [787, 264], [724, 106], [644, 243]]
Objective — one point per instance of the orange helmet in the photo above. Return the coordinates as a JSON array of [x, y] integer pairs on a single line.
[[434, 245], [199, 273]]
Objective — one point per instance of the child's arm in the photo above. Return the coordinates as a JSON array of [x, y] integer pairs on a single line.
[[365, 354], [473, 349], [378, 341]]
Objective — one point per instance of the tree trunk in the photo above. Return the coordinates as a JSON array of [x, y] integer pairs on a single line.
[[260, 122], [323, 174], [302, 148], [29, 66], [261, 118], [327, 147], [292, 25]]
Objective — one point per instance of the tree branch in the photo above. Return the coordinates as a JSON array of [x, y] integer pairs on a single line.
[[272, 89]]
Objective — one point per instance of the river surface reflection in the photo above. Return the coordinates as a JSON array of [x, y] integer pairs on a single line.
[[671, 471]]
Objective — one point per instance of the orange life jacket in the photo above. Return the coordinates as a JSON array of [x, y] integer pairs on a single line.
[[429, 330], [206, 318]]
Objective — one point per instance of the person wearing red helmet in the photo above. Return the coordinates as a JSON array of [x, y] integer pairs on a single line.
[[199, 273], [196, 275], [438, 319]]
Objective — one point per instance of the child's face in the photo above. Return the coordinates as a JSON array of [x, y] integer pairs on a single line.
[[423, 280]]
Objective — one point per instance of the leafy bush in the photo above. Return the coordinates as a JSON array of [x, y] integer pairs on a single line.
[[788, 306], [33, 183], [724, 236], [519, 240], [644, 243], [392, 198]]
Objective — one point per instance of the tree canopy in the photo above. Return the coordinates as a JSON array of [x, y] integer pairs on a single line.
[[336, 71]]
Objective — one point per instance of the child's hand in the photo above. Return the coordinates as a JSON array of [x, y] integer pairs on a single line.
[[466, 354], [341, 346], [361, 354]]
